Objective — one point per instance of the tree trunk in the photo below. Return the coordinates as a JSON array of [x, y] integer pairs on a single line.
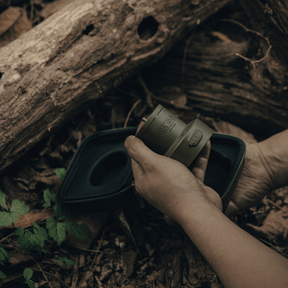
[[271, 19], [220, 84], [78, 54]]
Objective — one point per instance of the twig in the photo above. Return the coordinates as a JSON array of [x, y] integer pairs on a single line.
[[253, 62], [147, 92], [130, 112], [41, 270], [89, 250], [127, 93], [100, 285], [75, 274], [274, 204], [6, 237], [34, 269], [98, 248]]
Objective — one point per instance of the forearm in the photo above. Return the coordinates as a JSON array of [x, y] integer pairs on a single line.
[[238, 259], [274, 152]]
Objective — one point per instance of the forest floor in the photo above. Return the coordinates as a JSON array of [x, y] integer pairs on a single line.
[[128, 247]]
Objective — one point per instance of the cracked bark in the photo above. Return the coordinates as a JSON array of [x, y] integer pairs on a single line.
[[270, 18], [75, 56]]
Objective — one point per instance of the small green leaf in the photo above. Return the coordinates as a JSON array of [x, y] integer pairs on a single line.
[[56, 230], [34, 240], [40, 230], [5, 253], [2, 275], [23, 242], [46, 200], [40, 249], [27, 273], [7, 218], [30, 283], [67, 261], [3, 256], [80, 231], [19, 207], [19, 231], [3, 200], [50, 195], [59, 212], [60, 172]]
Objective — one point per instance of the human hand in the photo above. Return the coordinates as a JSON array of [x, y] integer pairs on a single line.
[[255, 181], [167, 184]]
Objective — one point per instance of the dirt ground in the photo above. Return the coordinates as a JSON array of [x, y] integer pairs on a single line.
[[128, 247]]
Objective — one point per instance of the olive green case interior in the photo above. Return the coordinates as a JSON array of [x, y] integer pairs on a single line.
[[100, 175]]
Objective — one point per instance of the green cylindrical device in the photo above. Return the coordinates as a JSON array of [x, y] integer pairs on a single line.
[[167, 135]]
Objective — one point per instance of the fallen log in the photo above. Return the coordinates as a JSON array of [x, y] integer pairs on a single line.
[[224, 76], [65, 63], [271, 19]]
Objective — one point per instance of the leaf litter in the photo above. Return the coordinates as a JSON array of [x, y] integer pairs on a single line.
[[137, 248]]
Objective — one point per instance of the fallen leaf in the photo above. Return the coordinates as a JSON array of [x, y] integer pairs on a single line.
[[19, 27], [51, 8], [124, 224], [222, 36], [274, 228], [94, 221], [9, 17], [26, 220], [128, 259]]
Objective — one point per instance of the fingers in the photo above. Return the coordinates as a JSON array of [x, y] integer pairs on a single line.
[[200, 163], [139, 152]]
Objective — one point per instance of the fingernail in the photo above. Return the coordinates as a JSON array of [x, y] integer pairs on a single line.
[[128, 140]]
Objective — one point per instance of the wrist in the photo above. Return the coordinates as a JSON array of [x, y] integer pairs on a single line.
[[192, 211]]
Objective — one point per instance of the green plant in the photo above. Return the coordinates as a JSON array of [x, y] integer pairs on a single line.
[[60, 172], [28, 273], [34, 237], [63, 260], [11, 215], [4, 256], [31, 238]]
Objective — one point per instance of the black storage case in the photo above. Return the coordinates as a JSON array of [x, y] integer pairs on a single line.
[[100, 174]]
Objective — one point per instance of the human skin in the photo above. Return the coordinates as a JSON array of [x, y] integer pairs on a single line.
[[238, 258], [265, 169]]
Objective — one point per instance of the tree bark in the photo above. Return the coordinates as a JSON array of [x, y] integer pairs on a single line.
[[271, 19], [221, 85], [78, 54]]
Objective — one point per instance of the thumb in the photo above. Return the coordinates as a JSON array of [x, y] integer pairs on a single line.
[[139, 152]]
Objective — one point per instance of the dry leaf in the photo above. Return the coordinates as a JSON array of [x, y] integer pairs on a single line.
[[94, 221], [51, 8], [26, 220], [9, 17], [275, 226], [19, 27], [222, 36]]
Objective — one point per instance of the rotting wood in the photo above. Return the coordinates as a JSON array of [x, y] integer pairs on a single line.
[[75, 56], [270, 17], [220, 84]]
